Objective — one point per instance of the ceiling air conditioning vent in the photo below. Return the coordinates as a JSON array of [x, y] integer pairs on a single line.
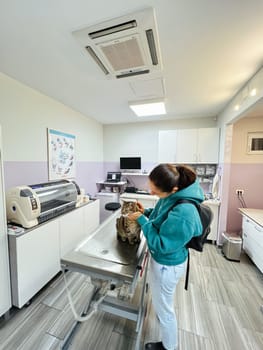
[[124, 46], [113, 29]]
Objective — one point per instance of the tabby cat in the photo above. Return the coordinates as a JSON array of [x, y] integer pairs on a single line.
[[128, 230]]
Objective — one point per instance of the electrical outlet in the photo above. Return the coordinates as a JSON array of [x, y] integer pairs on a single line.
[[240, 192]]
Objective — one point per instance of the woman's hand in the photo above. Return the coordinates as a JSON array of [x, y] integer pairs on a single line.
[[134, 216], [141, 207]]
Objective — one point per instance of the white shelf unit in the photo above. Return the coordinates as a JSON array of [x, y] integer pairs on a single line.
[[117, 187]]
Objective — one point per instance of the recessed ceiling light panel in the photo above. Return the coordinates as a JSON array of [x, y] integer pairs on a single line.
[[148, 108]]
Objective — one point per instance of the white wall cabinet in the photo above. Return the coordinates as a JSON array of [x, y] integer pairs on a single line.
[[189, 146], [253, 241], [198, 145], [167, 148], [35, 255]]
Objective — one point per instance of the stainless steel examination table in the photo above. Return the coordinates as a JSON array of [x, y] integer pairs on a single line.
[[102, 257]]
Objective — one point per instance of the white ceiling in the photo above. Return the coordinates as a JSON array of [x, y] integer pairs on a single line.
[[209, 49]]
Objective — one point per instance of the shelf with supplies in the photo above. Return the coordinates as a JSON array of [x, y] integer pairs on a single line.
[[205, 172], [107, 186]]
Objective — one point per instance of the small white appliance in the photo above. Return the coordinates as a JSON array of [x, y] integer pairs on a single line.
[[22, 206]]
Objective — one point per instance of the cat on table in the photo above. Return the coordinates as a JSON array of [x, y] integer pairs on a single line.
[[128, 230]]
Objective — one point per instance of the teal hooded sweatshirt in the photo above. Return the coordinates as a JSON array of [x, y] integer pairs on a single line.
[[167, 228]]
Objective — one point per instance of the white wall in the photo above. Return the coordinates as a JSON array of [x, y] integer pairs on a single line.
[[230, 152], [25, 114], [245, 102]]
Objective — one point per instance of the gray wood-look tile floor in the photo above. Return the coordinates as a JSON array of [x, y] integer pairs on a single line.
[[220, 311]]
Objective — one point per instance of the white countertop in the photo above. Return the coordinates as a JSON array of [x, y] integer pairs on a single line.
[[254, 214], [138, 196], [120, 183], [215, 202]]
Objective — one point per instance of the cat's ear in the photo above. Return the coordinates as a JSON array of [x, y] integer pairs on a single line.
[[175, 189]]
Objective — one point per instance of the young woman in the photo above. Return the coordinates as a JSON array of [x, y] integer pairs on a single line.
[[167, 228]]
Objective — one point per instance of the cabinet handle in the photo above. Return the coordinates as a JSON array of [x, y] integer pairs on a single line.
[[245, 235]]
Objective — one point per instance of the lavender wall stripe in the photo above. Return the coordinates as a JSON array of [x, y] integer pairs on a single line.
[[26, 173]]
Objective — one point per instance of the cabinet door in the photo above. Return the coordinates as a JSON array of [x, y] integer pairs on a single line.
[[71, 230], [34, 260], [253, 241], [167, 146], [186, 147], [198, 145], [208, 145], [91, 217]]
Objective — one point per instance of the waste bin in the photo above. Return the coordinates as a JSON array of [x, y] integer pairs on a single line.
[[232, 244]]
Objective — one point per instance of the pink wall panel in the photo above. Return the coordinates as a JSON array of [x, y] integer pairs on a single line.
[[248, 177]]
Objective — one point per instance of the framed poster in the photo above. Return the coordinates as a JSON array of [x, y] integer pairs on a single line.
[[61, 155]]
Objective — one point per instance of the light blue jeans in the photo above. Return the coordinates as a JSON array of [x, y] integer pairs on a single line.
[[163, 280]]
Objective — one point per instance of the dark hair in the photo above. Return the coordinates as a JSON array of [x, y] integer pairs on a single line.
[[167, 176]]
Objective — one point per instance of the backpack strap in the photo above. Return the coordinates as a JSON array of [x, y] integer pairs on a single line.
[[188, 259], [187, 271]]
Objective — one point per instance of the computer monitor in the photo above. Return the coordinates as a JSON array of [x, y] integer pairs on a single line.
[[113, 176], [130, 163]]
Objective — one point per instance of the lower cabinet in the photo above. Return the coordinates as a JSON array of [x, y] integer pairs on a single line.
[[35, 255], [34, 260], [253, 241], [77, 225], [71, 227], [91, 217]]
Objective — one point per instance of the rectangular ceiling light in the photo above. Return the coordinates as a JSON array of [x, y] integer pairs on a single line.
[[148, 108]]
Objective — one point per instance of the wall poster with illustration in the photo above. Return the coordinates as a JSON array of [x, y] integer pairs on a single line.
[[61, 155]]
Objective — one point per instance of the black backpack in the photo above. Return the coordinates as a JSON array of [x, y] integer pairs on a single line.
[[197, 242]]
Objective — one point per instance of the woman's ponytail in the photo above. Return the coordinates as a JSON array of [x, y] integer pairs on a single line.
[[187, 176], [168, 176]]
